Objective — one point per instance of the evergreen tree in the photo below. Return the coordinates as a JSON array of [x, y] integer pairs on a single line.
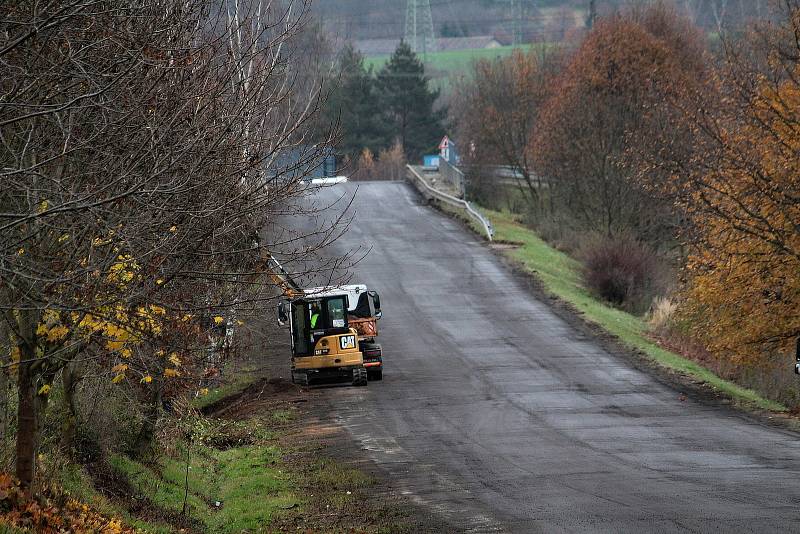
[[354, 103], [408, 103]]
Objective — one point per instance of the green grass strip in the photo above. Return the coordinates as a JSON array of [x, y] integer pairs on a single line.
[[246, 481], [560, 275]]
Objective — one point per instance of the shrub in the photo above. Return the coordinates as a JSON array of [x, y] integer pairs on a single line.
[[389, 165], [556, 230], [622, 271], [365, 168], [662, 312]]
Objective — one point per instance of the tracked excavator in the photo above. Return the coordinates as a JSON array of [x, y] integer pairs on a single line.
[[363, 313], [333, 330]]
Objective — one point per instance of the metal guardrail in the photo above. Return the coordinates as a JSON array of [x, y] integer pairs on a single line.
[[452, 175], [426, 189]]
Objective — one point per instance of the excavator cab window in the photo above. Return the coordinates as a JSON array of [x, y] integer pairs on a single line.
[[333, 315], [301, 335], [314, 318], [283, 314], [337, 313]]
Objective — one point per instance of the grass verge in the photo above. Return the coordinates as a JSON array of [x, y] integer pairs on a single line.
[[560, 276], [265, 466], [241, 489]]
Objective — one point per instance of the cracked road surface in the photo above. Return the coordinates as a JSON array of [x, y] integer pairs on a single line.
[[499, 416]]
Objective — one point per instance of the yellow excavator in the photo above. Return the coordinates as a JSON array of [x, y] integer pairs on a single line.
[[332, 330]]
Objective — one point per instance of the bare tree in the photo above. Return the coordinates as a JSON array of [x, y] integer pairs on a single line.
[[142, 152], [497, 113]]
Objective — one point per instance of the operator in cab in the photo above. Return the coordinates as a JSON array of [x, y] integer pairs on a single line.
[[314, 314]]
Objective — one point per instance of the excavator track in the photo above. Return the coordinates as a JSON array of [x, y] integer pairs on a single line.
[[300, 378], [360, 377]]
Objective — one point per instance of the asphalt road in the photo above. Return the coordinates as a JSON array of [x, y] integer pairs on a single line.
[[498, 415]]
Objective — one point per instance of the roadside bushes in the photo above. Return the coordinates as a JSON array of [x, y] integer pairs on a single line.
[[623, 271], [389, 165]]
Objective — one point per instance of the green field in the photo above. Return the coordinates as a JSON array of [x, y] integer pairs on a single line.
[[442, 67]]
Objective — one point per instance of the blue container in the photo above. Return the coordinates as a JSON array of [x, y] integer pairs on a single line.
[[430, 160]]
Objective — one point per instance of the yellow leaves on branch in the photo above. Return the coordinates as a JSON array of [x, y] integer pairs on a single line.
[[120, 329], [120, 370], [123, 270], [51, 327], [44, 390], [52, 334], [171, 373]]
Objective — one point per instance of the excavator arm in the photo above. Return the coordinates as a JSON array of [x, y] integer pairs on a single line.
[[280, 277]]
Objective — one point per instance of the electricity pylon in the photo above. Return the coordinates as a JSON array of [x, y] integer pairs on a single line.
[[592, 16], [516, 18], [419, 27]]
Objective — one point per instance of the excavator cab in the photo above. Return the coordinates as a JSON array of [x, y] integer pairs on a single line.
[[324, 347], [315, 318]]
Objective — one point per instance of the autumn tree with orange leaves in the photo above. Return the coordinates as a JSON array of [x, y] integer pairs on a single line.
[[740, 187], [603, 103]]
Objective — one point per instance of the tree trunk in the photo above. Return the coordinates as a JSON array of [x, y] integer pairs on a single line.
[[27, 423], [69, 377], [147, 432], [27, 409], [5, 350], [4, 383]]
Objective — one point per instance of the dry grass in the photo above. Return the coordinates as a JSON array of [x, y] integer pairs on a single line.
[[662, 313]]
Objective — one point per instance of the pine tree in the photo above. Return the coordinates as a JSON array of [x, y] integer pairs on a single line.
[[355, 105], [408, 103]]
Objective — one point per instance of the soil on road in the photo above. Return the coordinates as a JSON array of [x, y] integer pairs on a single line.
[[498, 415]]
